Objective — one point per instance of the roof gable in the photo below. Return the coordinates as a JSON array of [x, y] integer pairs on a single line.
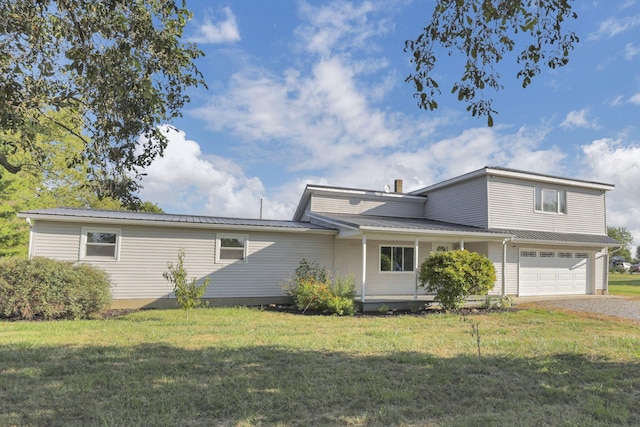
[[516, 174]]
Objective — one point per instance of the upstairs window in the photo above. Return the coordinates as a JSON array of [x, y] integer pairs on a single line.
[[550, 200], [100, 244], [396, 258], [231, 248]]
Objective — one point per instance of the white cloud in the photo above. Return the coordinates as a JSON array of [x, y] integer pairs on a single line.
[[339, 26], [617, 101], [631, 51], [578, 119], [635, 99], [613, 161], [186, 181], [319, 120], [611, 27], [218, 32]]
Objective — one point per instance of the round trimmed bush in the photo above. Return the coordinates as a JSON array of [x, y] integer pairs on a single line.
[[455, 275], [47, 289]]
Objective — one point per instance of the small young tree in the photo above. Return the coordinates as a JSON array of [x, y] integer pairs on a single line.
[[455, 275], [188, 292]]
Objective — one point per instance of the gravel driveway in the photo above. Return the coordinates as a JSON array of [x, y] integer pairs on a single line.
[[602, 304]]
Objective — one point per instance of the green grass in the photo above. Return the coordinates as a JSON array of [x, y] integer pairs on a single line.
[[246, 367], [624, 284]]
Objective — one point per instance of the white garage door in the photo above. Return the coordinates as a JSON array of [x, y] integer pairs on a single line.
[[546, 272]]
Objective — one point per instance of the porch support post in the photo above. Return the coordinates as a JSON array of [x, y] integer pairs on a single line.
[[462, 245], [504, 266], [364, 267], [415, 255]]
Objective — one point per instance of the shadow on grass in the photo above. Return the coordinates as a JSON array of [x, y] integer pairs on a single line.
[[162, 385]]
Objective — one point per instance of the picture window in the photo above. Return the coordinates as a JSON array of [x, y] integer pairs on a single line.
[[396, 258]]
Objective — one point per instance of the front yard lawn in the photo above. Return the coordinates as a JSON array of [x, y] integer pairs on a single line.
[[246, 367], [624, 284]]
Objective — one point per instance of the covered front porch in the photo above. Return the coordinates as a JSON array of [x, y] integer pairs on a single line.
[[384, 254]]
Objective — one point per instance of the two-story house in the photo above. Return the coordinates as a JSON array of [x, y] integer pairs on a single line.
[[546, 235]]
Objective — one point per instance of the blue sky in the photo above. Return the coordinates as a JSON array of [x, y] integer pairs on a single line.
[[313, 92]]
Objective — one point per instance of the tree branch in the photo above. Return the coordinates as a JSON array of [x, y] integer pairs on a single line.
[[4, 162]]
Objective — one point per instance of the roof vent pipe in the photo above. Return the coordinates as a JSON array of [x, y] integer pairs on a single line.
[[397, 186]]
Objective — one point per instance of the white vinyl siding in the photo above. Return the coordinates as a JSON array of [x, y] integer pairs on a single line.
[[56, 240], [600, 270], [403, 208], [146, 250], [463, 203], [512, 206], [348, 260]]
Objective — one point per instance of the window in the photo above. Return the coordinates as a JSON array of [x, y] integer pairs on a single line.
[[549, 200], [582, 255], [101, 244], [565, 255], [396, 258], [544, 254], [528, 254], [231, 248]]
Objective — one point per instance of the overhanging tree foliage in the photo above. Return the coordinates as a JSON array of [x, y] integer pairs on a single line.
[[484, 31], [119, 63], [624, 236], [54, 184]]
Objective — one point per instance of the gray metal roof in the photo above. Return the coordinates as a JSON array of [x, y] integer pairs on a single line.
[[80, 213], [426, 225], [548, 236], [404, 223]]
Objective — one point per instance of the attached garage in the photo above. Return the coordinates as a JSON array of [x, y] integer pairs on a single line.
[[553, 272]]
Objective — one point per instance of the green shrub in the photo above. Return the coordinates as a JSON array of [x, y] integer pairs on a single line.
[[310, 270], [342, 306], [49, 289], [310, 294], [312, 290], [188, 293], [455, 275]]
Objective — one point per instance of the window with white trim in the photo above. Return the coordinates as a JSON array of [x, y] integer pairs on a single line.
[[396, 258], [100, 244], [231, 248], [550, 200]]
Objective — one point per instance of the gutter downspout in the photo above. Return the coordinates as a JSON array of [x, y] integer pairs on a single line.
[[504, 265], [31, 238], [416, 267]]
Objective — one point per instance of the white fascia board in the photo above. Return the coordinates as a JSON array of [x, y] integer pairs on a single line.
[[565, 243], [366, 193], [550, 179], [115, 221], [457, 234]]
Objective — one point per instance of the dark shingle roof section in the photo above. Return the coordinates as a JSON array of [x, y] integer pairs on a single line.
[[548, 236], [171, 218], [404, 223]]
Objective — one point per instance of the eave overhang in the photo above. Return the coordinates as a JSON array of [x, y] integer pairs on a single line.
[[268, 226]]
